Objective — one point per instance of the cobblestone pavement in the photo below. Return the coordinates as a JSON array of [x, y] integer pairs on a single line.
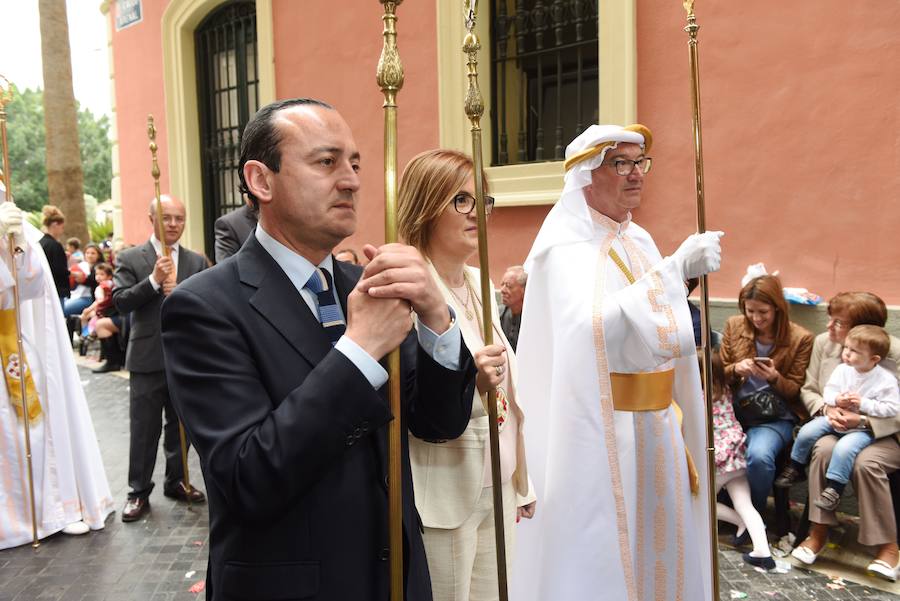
[[162, 556]]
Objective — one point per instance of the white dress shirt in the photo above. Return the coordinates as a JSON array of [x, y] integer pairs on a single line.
[[173, 254], [443, 348]]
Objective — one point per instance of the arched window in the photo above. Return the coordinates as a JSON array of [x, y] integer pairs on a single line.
[[228, 95]]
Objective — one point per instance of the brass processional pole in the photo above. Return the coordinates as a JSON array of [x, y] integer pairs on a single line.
[[390, 79], [474, 105], [692, 28], [160, 235], [5, 98]]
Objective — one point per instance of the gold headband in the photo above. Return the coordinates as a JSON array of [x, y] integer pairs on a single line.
[[599, 148]]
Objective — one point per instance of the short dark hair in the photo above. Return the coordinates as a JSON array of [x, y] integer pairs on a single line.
[[261, 139]]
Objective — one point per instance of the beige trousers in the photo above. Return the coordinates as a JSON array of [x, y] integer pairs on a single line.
[[870, 481], [463, 561]]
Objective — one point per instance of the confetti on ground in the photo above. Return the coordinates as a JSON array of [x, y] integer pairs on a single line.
[[781, 567], [190, 574], [738, 594], [837, 583], [197, 543], [198, 587]]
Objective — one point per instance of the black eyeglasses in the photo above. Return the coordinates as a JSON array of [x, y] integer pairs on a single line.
[[465, 202], [624, 167]]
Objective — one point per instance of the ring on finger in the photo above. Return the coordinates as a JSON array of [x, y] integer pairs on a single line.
[[499, 370]]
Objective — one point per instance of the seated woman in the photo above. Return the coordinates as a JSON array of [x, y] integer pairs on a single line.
[[452, 479], [877, 522], [85, 281], [765, 357]]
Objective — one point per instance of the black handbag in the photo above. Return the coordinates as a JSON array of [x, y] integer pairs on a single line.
[[759, 407]]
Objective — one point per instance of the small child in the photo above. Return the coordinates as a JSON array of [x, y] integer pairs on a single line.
[[102, 295], [859, 385], [731, 471]]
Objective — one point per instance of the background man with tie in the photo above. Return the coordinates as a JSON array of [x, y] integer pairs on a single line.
[[284, 398], [143, 278]]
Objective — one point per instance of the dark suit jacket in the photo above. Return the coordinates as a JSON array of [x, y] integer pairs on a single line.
[[133, 293], [232, 230], [293, 439]]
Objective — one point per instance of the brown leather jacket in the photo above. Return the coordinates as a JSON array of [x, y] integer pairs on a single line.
[[738, 342]]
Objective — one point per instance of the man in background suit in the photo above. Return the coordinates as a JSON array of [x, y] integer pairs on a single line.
[[143, 278], [284, 399], [232, 229]]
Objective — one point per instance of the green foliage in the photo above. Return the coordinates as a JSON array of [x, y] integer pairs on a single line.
[[96, 157], [100, 230], [35, 218], [27, 154], [27, 150]]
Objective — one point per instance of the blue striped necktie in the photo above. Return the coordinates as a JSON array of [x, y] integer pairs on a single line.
[[319, 283]]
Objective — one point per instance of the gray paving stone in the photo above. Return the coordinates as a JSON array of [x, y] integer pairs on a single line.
[[148, 560]]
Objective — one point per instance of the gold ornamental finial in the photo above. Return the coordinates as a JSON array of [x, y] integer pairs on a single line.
[[389, 74], [689, 6], [474, 103]]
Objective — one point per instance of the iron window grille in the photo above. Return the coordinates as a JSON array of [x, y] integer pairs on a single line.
[[544, 59], [228, 95]]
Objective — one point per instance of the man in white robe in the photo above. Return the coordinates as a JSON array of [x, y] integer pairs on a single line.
[[70, 486], [606, 350]]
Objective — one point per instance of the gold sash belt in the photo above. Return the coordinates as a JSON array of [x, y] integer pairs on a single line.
[[642, 392], [651, 392]]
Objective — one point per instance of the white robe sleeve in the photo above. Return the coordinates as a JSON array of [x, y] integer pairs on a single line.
[[30, 272], [648, 322]]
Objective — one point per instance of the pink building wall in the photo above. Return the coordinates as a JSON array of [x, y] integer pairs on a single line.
[[799, 120], [137, 61]]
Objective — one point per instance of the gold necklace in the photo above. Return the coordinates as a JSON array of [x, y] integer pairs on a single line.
[[465, 303]]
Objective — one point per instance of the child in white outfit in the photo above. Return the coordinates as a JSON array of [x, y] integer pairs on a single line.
[[858, 385]]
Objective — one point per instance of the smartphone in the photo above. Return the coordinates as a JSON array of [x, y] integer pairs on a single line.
[[766, 360]]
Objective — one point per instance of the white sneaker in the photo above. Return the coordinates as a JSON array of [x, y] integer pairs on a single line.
[[76, 529]]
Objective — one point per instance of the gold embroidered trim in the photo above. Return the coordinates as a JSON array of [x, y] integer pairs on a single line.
[[679, 515], [641, 542], [607, 413]]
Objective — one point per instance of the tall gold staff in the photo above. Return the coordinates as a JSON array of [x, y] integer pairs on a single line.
[[474, 105], [5, 98], [692, 28], [160, 235], [389, 76]]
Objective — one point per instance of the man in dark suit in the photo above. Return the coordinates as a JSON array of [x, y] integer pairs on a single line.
[[143, 278], [232, 230], [285, 403]]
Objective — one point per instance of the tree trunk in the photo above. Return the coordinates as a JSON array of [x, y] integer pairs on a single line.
[[65, 180]]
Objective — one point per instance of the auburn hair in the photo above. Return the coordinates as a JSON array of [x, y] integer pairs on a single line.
[[767, 289], [864, 308]]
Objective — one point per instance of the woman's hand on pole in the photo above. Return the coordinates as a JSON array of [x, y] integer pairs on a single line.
[[490, 361]]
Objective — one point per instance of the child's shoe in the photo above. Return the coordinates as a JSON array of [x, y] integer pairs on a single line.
[[766, 563], [789, 476], [829, 499]]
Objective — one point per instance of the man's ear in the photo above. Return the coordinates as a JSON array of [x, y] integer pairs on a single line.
[[259, 180]]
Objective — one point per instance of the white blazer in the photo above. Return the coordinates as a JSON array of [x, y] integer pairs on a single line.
[[448, 476]]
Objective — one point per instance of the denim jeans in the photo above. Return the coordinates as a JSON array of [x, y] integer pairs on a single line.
[[74, 306], [845, 451], [764, 443]]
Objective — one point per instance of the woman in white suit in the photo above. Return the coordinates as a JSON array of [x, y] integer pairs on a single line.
[[452, 479]]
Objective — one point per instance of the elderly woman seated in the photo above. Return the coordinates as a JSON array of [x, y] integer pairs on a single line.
[[877, 522]]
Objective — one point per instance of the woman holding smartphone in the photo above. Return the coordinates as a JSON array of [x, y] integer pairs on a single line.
[[765, 357]]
